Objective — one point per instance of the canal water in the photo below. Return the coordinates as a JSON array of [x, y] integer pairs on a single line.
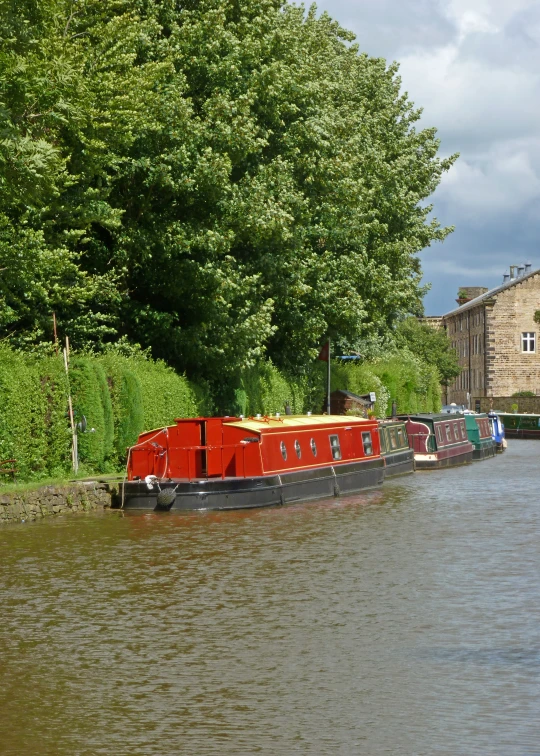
[[404, 621]]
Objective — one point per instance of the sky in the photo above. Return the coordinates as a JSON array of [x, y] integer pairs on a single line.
[[474, 68]]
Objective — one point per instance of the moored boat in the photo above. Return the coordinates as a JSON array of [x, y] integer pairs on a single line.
[[395, 450], [522, 425], [497, 431], [479, 434], [236, 463], [438, 440]]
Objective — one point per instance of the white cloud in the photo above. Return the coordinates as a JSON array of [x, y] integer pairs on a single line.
[[474, 67]]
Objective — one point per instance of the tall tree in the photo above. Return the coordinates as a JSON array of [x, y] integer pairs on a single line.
[[227, 177]]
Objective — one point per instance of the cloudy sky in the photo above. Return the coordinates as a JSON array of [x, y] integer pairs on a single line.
[[474, 66]]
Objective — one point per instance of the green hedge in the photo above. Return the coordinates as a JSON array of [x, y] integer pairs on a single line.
[[122, 395]]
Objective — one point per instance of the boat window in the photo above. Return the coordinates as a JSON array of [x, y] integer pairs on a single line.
[[439, 434], [456, 431], [283, 450], [463, 430], [335, 447], [313, 447], [368, 445], [448, 432], [297, 449], [382, 437], [392, 434], [401, 437]]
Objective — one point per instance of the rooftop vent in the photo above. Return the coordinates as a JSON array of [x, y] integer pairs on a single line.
[[506, 277], [528, 267]]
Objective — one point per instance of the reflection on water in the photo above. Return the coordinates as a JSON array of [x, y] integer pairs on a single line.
[[404, 621]]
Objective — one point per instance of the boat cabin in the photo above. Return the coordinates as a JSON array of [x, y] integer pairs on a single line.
[[395, 450], [479, 433], [438, 440], [520, 425], [230, 447]]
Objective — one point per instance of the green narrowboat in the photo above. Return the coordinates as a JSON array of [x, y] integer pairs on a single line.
[[520, 425], [479, 433], [395, 450]]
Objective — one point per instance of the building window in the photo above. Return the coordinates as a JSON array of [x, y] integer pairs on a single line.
[[335, 448], [528, 341], [283, 450], [297, 449], [313, 447], [368, 446]]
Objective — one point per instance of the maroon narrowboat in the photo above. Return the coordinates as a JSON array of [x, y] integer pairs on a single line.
[[438, 440], [236, 463]]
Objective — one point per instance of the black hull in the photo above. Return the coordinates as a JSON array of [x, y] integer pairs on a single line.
[[399, 463], [249, 493], [438, 464], [484, 453]]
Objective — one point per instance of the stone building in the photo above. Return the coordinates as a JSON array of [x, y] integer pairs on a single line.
[[495, 333]]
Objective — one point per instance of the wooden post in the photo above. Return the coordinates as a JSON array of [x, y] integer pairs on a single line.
[[74, 446], [55, 333]]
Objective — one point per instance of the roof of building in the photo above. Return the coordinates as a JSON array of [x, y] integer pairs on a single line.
[[491, 293], [365, 400]]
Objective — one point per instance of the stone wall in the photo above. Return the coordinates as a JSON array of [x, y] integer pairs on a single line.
[[504, 403], [509, 368], [53, 500]]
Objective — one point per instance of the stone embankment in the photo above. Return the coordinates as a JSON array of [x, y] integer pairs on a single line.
[[22, 506]]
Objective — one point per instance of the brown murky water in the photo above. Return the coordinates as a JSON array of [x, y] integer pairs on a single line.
[[405, 621]]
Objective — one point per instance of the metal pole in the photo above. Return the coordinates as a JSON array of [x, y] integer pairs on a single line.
[[329, 377]]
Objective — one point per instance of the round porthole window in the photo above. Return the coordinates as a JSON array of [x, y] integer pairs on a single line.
[[313, 447], [283, 450], [297, 449]]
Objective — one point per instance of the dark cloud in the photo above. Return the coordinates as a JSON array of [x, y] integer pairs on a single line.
[[474, 66]]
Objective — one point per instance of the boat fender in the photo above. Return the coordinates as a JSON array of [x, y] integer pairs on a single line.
[[281, 494], [150, 480], [337, 492], [166, 497]]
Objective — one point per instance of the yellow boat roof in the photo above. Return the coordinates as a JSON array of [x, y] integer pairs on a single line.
[[296, 421]]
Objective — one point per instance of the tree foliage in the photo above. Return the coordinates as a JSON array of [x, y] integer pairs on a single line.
[[216, 180], [431, 345]]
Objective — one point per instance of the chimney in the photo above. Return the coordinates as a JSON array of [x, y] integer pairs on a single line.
[[506, 277], [528, 267], [520, 270], [466, 293]]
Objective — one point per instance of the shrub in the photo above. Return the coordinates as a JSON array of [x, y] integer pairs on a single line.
[[92, 400], [22, 410]]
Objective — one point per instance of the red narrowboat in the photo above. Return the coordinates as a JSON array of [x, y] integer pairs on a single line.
[[236, 463], [438, 440]]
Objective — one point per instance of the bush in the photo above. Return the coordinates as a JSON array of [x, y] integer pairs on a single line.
[[265, 390], [127, 405], [54, 385], [167, 395], [92, 400], [23, 408]]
